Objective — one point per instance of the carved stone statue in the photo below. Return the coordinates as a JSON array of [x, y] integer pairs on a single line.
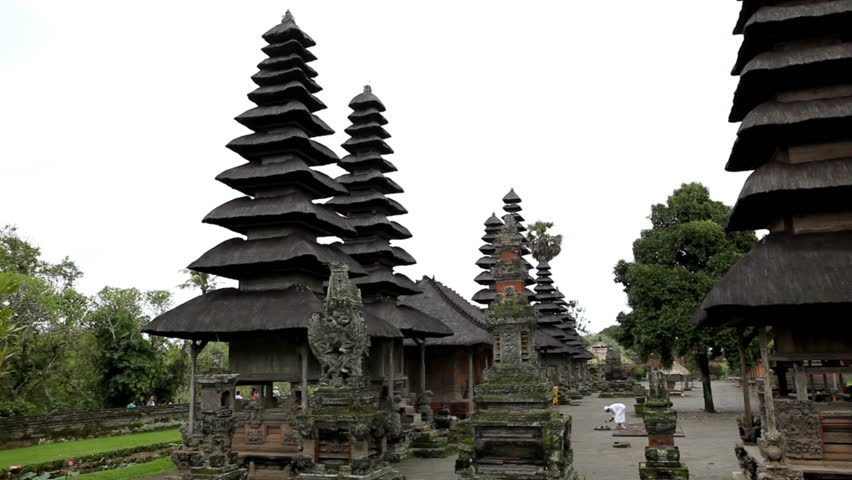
[[338, 336]]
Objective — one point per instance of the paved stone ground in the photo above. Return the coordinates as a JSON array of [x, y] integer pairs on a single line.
[[707, 448]]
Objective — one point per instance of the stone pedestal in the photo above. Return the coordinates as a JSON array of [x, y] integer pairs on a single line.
[[662, 457]]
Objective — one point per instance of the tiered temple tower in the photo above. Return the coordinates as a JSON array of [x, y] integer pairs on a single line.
[[486, 278], [515, 433], [794, 100], [368, 208], [277, 259]]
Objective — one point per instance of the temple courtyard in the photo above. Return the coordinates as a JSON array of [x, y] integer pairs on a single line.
[[707, 448]]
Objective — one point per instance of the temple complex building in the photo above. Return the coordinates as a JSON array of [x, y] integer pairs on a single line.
[[448, 368], [794, 288]]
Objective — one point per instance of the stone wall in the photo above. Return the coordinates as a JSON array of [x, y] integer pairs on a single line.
[[24, 431], [800, 423]]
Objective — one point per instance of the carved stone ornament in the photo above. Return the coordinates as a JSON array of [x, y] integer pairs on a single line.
[[338, 335]]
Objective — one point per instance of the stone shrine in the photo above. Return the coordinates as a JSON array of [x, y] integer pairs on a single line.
[[616, 382], [206, 453], [662, 457], [515, 433], [344, 431]]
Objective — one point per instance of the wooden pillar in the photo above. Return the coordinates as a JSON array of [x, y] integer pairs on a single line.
[[303, 354], [422, 366], [801, 381], [471, 378], [194, 350], [405, 386], [747, 416], [390, 371], [771, 427]]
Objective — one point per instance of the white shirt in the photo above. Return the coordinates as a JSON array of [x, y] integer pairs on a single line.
[[618, 411]]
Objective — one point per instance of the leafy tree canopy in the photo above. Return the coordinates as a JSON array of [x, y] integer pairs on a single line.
[[676, 263], [544, 246]]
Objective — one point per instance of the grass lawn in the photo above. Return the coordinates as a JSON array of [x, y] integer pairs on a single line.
[[89, 446], [140, 470]]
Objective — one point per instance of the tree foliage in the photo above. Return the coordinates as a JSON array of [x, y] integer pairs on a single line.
[[55, 341], [544, 246], [200, 280], [675, 264]]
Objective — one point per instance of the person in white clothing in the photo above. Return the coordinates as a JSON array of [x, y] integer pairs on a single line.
[[619, 414]]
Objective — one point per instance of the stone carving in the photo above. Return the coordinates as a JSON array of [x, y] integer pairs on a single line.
[[424, 402], [338, 336]]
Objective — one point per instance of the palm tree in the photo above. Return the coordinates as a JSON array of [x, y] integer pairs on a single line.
[[545, 247], [201, 280]]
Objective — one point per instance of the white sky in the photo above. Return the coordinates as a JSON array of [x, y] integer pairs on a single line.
[[114, 116]]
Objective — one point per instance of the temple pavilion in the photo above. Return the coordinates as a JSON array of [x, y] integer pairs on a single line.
[[794, 288]]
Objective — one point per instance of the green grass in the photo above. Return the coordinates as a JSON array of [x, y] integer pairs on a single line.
[[140, 470], [89, 446]]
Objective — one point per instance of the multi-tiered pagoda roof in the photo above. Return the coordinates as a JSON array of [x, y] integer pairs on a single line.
[[277, 260], [554, 319], [366, 203], [487, 294], [794, 100]]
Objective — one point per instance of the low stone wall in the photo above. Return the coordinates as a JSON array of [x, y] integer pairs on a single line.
[[23, 431]]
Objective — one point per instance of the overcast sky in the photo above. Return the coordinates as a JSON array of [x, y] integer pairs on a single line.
[[114, 117]]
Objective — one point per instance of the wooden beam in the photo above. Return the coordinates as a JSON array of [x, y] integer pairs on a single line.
[[470, 380], [304, 360], [194, 350], [800, 379], [422, 366]]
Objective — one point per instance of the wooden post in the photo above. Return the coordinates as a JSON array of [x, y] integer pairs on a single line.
[[194, 350], [471, 378], [422, 366], [767, 381], [748, 419], [405, 386], [390, 371], [304, 358], [801, 381]]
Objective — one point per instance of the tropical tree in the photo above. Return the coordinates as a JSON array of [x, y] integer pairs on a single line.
[[200, 280], [544, 246], [675, 264], [10, 345]]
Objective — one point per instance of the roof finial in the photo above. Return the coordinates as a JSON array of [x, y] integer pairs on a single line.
[[288, 18], [367, 89]]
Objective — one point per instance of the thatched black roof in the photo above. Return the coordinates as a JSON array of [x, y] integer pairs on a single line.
[[221, 314], [243, 214], [278, 94], [289, 47], [254, 177], [485, 296], [788, 70], [411, 321], [775, 24], [369, 179], [365, 160], [377, 250], [288, 30], [368, 202], [241, 259], [784, 276], [291, 113], [485, 278], [378, 224], [294, 141], [544, 341], [779, 189], [773, 124], [385, 283], [366, 100], [511, 197], [467, 322]]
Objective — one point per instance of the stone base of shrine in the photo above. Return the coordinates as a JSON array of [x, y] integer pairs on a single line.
[[663, 472], [431, 444], [382, 473]]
